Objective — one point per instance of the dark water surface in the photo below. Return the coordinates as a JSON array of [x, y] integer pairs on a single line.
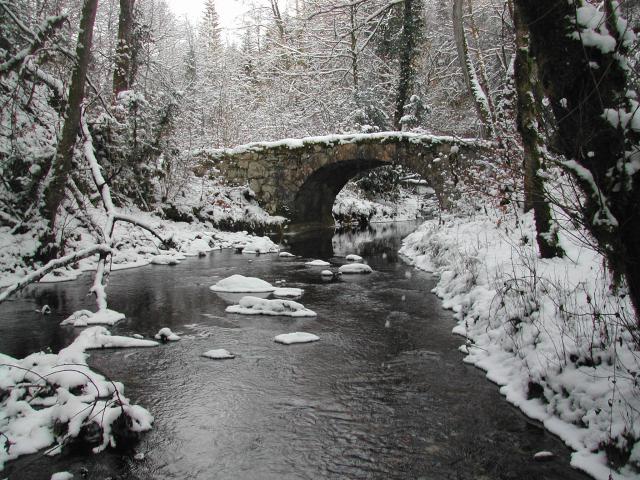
[[367, 401]]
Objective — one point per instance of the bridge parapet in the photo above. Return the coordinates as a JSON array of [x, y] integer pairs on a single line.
[[300, 178]]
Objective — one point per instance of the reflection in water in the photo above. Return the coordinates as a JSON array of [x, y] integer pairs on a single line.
[[383, 394], [234, 298]]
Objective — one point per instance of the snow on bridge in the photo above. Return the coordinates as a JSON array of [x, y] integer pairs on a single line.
[[300, 178]]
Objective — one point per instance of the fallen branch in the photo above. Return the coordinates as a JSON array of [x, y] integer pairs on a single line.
[[52, 265]]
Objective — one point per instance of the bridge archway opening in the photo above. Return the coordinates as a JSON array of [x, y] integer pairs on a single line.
[[315, 199]]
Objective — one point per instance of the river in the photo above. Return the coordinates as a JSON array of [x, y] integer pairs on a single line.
[[384, 394]]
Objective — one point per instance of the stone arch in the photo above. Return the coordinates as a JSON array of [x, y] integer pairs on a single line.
[[299, 178]]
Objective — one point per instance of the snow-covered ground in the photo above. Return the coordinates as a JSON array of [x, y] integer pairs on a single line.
[[351, 206], [551, 333], [134, 247]]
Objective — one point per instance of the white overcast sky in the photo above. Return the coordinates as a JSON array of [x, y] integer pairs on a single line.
[[227, 10]]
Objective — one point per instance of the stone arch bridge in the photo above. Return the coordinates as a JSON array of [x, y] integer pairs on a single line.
[[300, 178]]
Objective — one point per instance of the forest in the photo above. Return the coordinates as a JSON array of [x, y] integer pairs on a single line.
[[113, 114]]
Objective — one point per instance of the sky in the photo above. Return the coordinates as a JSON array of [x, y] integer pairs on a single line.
[[227, 10]]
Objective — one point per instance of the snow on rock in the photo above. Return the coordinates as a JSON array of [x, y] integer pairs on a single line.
[[82, 318], [100, 337], [260, 306], [355, 268], [260, 245], [537, 327], [288, 292], [45, 393], [197, 247], [352, 257], [241, 284], [317, 263], [543, 456], [326, 273], [62, 476], [218, 354], [296, 337], [166, 259], [166, 335], [286, 254]]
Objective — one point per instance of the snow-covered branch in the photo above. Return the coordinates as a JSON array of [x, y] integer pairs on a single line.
[[46, 30], [52, 265]]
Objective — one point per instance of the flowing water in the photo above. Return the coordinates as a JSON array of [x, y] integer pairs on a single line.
[[384, 394]]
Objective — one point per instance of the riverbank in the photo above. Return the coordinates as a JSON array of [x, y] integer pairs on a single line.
[[551, 333]]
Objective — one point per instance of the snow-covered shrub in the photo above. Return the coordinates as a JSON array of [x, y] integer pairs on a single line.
[[56, 401]]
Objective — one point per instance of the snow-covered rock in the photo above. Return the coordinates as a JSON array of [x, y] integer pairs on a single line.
[[326, 273], [82, 318], [352, 257], [166, 259], [100, 337], [241, 284], [218, 354], [317, 263], [296, 337], [62, 476], [288, 292], [260, 306], [166, 335], [286, 254], [260, 245], [197, 247], [355, 268], [543, 456]]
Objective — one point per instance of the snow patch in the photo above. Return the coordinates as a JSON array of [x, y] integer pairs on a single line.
[[82, 318], [296, 337], [288, 292], [317, 263], [218, 354]]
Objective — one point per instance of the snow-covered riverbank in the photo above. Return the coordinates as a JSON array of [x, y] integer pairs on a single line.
[[550, 332], [136, 247]]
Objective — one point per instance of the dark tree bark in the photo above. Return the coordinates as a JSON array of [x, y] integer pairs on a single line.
[[61, 168], [409, 42], [124, 61], [527, 120], [586, 83]]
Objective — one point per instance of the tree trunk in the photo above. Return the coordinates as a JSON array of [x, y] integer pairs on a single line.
[[54, 194], [586, 82], [122, 73], [353, 50], [527, 120], [407, 71], [480, 97]]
